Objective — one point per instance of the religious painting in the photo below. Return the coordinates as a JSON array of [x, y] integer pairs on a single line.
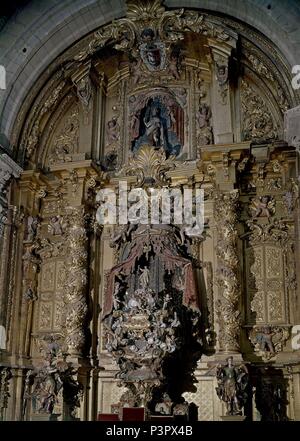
[[156, 119]]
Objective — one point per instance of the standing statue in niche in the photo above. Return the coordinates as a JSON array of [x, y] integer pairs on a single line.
[[155, 128], [144, 278], [159, 122], [204, 130], [173, 67], [135, 70], [232, 386], [222, 74], [33, 223]]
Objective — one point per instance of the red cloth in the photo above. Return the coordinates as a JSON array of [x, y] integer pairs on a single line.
[[170, 262], [133, 414]]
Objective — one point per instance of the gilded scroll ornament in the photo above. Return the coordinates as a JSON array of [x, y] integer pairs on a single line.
[[276, 231], [149, 22]]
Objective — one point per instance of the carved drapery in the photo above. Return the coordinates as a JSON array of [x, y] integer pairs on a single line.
[[76, 282], [225, 212]]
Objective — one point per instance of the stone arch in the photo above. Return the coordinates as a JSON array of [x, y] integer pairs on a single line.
[[27, 54]]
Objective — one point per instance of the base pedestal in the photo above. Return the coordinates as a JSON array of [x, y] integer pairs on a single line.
[[45, 417], [233, 418]]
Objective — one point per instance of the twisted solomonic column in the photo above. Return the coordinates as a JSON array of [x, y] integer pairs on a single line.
[[76, 283], [228, 306]]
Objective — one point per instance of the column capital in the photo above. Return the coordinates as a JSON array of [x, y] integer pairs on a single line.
[[224, 161]]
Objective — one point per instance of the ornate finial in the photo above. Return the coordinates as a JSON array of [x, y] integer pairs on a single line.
[[150, 166]]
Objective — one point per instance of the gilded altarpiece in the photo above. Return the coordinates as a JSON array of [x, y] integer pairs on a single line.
[[159, 98]]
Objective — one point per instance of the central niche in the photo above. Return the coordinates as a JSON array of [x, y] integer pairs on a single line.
[[157, 119], [151, 315]]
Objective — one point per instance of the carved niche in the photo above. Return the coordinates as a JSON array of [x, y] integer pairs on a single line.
[[150, 297], [157, 119]]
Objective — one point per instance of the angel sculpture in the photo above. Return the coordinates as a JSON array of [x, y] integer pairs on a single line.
[[232, 386], [268, 340], [55, 226], [33, 223], [263, 206], [165, 406], [144, 277], [112, 131]]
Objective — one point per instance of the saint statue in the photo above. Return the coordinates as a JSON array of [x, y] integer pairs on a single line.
[[144, 278], [232, 386], [155, 128]]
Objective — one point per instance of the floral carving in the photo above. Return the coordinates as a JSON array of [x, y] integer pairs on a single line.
[[66, 141], [276, 231], [151, 165], [150, 17], [257, 123], [259, 66], [33, 136]]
